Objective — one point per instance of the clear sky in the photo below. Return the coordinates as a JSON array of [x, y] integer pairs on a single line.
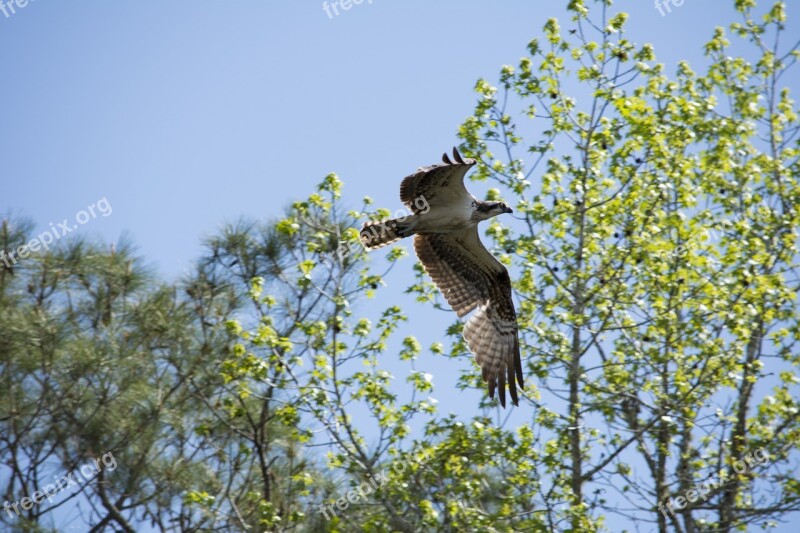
[[186, 114]]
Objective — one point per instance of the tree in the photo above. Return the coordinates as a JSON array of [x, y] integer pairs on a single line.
[[657, 267]]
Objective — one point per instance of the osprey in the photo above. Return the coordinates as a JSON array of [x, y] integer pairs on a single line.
[[444, 223]]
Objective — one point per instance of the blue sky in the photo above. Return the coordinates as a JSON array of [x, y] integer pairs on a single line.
[[187, 114]]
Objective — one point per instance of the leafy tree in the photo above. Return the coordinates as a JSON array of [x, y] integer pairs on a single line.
[[656, 266], [655, 263]]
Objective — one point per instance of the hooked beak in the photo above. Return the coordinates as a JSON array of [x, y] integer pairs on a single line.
[[508, 210]]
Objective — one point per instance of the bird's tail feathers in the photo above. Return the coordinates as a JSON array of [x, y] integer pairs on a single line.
[[381, 233]]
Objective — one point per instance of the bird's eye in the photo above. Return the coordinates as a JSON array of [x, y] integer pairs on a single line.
[[503, 205]]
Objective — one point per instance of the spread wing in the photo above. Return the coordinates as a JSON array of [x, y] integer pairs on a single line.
[[470, 278], [437, 184]]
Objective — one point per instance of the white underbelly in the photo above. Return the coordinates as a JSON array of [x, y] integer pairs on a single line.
[[444, 220]]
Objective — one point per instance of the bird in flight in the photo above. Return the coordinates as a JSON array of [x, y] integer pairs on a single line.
[[444, 222]]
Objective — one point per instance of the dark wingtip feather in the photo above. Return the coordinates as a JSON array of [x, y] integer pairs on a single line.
[[518, 364], [446, 159], [512, 386], [502, 387], [457, 156]]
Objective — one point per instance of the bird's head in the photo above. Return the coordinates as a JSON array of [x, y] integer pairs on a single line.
[[487, 210]]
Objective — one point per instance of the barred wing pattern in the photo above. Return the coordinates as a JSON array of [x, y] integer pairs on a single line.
[[471, 279]]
